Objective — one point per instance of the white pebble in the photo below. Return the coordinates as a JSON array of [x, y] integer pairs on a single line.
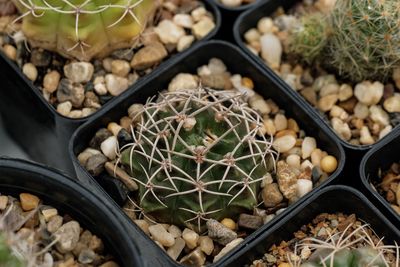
[[280, 122], [30, 71], [183, 20], [252, 35], [284, 143], [361, 111], [227, 248], [265, 25], [304, 186], [169, 32], [306, 164], [308, 146], [159, 234], [109, 147], [385, 131], [293, 161], [365, 136], [190, 237], [379, 115], [369, 93], [271, 50], [175, 250], [185, 42]]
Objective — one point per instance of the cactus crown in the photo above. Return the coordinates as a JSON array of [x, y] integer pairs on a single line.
[[359, 39], [83, 29], [197, 155], [356, 248]]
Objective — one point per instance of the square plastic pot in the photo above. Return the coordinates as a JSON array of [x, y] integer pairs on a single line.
[[36, 125], [236, 62], [248, 20], [332, 199], [379, 158]]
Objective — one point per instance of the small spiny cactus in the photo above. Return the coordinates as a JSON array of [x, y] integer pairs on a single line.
[[309, 39], [84, 29], [197, 154], [350, 249]]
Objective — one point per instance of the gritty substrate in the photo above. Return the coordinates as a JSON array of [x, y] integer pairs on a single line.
[[361, 114], [301, 166], [78, 89], [389, 186]]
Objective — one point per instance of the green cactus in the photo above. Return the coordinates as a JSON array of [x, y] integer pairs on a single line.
[[365, 39], [7, 258], [197, 155], [84, 29], [309, 38]]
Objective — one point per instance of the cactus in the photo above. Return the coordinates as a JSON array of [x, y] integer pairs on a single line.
[[197, 154], [365, 40], [350, 249], [309, 38], [83, 29]]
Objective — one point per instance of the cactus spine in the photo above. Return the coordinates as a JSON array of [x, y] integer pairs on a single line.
[[197, 155], [83, 29]]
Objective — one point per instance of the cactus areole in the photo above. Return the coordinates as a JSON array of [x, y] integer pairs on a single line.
[[84, 29], [196, 155]]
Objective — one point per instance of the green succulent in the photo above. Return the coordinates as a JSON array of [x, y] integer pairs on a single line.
[[197, 154]]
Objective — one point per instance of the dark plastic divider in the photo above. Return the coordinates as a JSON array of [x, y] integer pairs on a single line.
[[331, 200], [380, 158], [249, 20], [237, 62], [93, 212], [36, 126]]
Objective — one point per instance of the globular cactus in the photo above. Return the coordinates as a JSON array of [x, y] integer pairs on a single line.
[[309, 38], [357, 248], [84, 29], [365, 40], [197, 154], [7, 257]]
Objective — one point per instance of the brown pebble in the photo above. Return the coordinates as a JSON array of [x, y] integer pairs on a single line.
[[29, 201]]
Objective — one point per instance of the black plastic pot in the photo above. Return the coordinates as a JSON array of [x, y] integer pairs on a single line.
[[249, 20], [237, 62], [36, 125], [380, 158], [332, 199], [91, 211]]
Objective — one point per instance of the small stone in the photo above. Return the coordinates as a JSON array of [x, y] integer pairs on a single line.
[[206, 244], [329, 164], [190, 237], [369, 93], [258, 103], [198, 13], [149, 56], [183, 20], [227, 248], [49, 213], [219, 232], [377, 114], [293, 161], [304, 186], [121, 175], [252, 35], [91, 100], [271, 50], [217, 66], [327, 102], [196, 258], [51, 81], [392, 104], [217, 81], [308, 146], [143, 224], [310, 95], [361, 111], [28, 201], [64, 108], [67, 236], [339, 112], [228, 222], [265, 25], [185, 42], [231, 3], [284, 144], [176, 249], [95, 164], [280, 122], [365, 136], [345, 92], [79, 72], [203, 27], [174, 231], [323, 80], [116, 85], [385, 131], [67, 91], [341, 128], [99, 137], [271, 195], [250, 221], [161, 235], [329, 89], [3, 202], [120, 67], [169, 32], [100, 85], [10, 51], [30, 71], [287, 180], [54, 224], [109, 147], [86, 256], [183, 81]]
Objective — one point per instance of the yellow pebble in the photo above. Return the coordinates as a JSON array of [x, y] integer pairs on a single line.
[[229, 223], [329, 164], [10, 51], [29, 201], [284, 264], [248, 83]]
